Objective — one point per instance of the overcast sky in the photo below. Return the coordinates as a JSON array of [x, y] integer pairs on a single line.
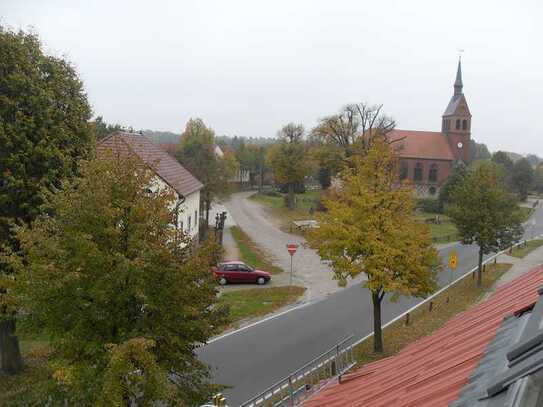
[[248, 67]]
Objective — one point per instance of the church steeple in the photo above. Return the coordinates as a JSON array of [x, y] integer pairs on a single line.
[[458, 82], [456, 120]]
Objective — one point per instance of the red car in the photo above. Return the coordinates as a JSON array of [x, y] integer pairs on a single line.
[[239, 272]]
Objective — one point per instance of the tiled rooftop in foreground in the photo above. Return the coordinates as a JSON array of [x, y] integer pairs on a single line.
[[488, 356]]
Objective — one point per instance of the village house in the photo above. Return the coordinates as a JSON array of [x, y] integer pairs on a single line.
[[428, 157], [169, 174]]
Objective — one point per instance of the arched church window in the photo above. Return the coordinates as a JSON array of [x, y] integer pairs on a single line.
[[404, 170], [418, 172], [457, 124], [432, 175], [464, 124]]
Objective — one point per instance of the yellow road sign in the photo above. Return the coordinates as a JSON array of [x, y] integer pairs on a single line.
[[453, 260]]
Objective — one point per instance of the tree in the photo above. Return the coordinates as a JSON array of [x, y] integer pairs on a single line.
[[123, 305], [346, 128], [369, 228], [484, 213], [197, 154], [44, 131], [289, 159], [538, 178], [522, 177], [457, 176], [103, 129]]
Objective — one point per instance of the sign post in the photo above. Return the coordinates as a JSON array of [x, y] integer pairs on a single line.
[[291, 247], [453, 263]]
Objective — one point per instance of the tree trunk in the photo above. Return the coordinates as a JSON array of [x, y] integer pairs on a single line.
[[377, 330], [480, 268], [11, 361], [208, 207], [291, 203]]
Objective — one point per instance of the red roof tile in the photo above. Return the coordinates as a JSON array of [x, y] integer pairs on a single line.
[[165, 166], [421, 144], [433, 370]]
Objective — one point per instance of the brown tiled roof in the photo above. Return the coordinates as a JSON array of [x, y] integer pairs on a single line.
[[165, 166], [432, 371], [421, 144]]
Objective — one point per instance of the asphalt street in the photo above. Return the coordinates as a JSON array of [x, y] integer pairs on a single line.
[[254, 358]]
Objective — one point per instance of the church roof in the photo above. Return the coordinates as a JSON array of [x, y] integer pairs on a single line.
[[421, 144], [165, 166], [456, 100]]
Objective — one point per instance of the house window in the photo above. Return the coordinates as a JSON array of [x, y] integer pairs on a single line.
[[432, 175], [181, 226], [404, 170], [418, 172], [457, 124], [464, 124], [196, 218], [189, 224]]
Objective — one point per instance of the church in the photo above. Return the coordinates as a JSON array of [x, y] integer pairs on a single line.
[[428, 157]]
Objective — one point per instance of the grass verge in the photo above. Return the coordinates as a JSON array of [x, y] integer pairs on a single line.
[[250, 253], [524, 249], [276, 206], [423, 322], [256, 302]]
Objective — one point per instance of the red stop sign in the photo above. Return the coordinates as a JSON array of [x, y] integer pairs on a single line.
[[291, 247]]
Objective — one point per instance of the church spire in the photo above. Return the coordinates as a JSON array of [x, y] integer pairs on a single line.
[[458, 82]]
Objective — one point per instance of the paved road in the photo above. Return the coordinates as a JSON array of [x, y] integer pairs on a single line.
[[254, 358]]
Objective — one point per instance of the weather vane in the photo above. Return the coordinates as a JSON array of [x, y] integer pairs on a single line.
[[460, 51]]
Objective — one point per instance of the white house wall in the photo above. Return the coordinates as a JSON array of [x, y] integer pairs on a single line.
[[189, 209]]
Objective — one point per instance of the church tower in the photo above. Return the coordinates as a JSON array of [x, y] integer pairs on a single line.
[[456, 123]]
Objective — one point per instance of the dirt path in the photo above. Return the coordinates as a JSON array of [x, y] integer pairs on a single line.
[[309, 270]]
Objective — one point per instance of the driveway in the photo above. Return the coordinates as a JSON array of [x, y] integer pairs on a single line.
[[308, 269]]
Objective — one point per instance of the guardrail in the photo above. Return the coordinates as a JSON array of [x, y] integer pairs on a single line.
[[299, 385], [431, 297]]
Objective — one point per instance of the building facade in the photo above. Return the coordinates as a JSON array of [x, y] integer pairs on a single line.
[[428, 157], [168, 174]]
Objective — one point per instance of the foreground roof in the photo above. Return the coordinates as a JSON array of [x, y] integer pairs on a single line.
[[165, 166], [421, 144], [438, 368]]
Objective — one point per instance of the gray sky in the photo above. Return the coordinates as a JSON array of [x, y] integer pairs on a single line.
[[248, 67]]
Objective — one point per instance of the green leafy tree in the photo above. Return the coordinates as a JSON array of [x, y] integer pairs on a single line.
[[124, 307], [457, 176], [103, 129], [506, 164], [369, 229], [197, 154], [522, 177], [289, 159], [484, 213], [538, 178], [44, 131]]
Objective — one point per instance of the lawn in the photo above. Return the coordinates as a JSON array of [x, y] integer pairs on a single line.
[[443, 232], [524, 249], [423, 322], [250, 253], [276, 206], [525, 213], [255, 302]]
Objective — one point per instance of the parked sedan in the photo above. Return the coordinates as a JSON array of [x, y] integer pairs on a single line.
[[239, 272]]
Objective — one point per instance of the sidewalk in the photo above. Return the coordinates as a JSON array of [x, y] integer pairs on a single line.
[[520, 266]]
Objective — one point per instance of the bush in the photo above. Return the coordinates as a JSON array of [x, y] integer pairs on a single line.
[[271, 193], [430, 205]]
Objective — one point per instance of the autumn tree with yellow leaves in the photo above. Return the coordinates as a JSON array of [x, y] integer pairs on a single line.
[[369, 229]]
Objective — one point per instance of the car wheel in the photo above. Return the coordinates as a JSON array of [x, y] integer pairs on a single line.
[[261, 281], [223, 281]]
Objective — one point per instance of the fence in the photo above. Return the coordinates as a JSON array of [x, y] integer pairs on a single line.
[[299, 385], [434, 295]]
